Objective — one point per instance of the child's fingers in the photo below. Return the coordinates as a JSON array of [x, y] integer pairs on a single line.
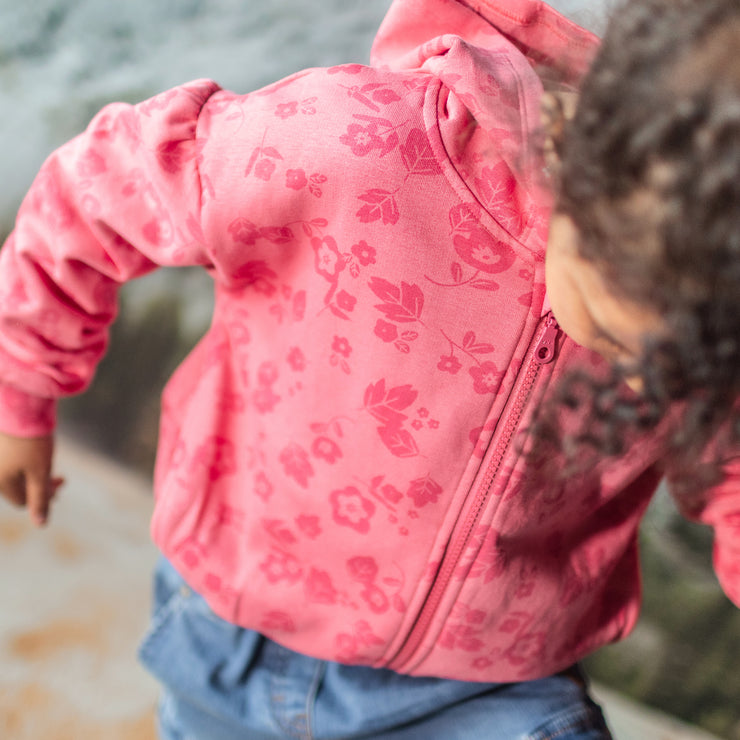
[[55, 484], [39, 492], [14, 490]]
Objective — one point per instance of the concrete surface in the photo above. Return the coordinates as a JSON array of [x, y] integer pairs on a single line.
[[75, 601]]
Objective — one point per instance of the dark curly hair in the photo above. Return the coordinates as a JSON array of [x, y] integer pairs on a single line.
[[650, 175]]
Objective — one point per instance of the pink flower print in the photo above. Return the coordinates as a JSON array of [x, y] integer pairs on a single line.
[[433, 424], [277, 621], [309, 525], [158, 231], [319, 588], [257, 274], [449, 364], [482, 663], [375, 598], [417, 424], [391, 493], [352, 509], [286, 110], [525, 590], [475, 616], [527, 648], [483, 251], [345, 301], [364, 253], [486, 378], [424, 491], [262, 487], [276, 529], [296, 464], [329, 263], [386, 331], [243, 231], [296, 359], [347, 648], [362, 139], [350, 69], [267, 373], [295, 179], [279, 566], [423, 413], [327, 449], [363, 569], [341, 346], [264, 169], [461, 636], [91, 164], [218, 455], [265, 400]]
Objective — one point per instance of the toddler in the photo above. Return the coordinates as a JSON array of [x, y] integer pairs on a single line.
[[453, 352]]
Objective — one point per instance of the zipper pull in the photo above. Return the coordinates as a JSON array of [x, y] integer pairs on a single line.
[[544, 352]]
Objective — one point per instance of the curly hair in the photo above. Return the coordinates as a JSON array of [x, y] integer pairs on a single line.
[[650, 175]]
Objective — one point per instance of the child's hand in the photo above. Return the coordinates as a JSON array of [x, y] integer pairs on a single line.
[[25, 474]]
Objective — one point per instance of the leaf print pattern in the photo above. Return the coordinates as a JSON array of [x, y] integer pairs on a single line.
[[262, 162], [371, 94], [424, 491], [486, 376], [463, 631], [497, 188], [350, 645], [417, 155], [296, 464], [402, 304], [380, 205], [476, 246], [297, 180]]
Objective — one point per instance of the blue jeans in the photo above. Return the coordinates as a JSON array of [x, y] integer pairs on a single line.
[[222, 682]]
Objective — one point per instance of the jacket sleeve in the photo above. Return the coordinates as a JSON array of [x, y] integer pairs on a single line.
[[109, 206], [721, 510]]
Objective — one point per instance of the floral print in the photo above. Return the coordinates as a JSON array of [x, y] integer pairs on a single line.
[[351, 509], [341, 448]]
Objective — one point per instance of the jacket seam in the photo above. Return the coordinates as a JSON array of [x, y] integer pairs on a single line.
[[196, 139], [459, 183]]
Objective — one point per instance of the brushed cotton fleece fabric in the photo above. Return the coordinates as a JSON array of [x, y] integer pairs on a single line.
[[339, 465]]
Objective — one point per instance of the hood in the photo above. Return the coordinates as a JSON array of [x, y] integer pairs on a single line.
[[493, 58], [415, 30]]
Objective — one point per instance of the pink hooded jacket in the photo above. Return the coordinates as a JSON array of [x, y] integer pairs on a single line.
[[338, 466]]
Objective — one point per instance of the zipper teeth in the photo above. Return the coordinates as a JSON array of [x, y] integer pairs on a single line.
[[451, 560]]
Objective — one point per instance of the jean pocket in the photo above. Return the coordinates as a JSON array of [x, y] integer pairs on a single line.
[[583, 721]]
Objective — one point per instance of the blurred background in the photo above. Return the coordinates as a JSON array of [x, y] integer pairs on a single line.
[[62, 60]]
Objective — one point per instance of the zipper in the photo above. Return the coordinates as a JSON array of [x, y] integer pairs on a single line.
[[542, 353]]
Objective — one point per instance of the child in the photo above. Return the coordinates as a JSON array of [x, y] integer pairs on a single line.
[[345, 476]]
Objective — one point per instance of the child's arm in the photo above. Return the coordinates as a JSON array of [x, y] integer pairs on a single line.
[[720, 508], [25, 474], [112, 204]]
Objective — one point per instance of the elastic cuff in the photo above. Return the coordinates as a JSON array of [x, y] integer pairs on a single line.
[[23, 415]]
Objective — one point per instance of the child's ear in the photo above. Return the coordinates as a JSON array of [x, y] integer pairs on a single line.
[[556, 109]]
